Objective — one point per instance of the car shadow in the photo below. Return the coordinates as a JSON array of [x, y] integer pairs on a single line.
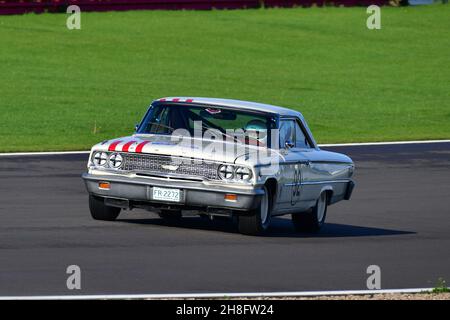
[[279, 228], [283, 227]]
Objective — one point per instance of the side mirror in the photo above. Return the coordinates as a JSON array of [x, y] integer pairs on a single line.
[[136, 127], [289, 144]]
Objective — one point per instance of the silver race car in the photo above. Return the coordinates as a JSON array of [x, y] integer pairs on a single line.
[[219, 157]]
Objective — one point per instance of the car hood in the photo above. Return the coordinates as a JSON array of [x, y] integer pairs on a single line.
[[211, 150]]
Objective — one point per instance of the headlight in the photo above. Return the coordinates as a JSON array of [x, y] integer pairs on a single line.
[[229, 172], [226, 172], [115, 160], [243, 173], [100, 158]]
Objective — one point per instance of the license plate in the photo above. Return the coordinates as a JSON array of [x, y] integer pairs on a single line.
[[163, 194]]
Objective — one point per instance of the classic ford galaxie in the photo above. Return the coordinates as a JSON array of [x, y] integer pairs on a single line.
[[219, 157]]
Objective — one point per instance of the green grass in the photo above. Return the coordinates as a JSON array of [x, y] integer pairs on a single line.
[[441, 287], [352, 84]]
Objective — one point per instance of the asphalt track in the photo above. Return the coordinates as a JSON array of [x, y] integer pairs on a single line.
[[398, 219]]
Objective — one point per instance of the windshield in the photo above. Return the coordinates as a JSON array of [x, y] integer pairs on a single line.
[[237, 125]]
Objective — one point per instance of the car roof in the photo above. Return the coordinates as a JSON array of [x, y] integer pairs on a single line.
[[238, 104]]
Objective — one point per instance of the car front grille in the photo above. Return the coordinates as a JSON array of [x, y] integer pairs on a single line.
[[170, 166]]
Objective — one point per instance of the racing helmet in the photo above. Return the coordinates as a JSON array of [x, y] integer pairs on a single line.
[[256, 130]]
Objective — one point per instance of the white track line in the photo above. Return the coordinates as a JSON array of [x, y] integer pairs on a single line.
[[50, 153], [382, 143], [218, 295], [321, 145]]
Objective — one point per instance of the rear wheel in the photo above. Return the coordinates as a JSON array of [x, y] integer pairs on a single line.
[[100, 211], [258, 221], [312, 220]]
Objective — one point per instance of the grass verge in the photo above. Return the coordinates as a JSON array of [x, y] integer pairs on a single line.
[[66, 90]]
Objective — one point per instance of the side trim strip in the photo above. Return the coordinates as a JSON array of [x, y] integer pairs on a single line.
[[316, 182], [322, 182]]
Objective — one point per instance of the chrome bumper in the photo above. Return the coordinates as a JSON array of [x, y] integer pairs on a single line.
[[194, 194]]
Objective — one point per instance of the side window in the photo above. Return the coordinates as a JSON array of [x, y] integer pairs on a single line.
[[300, 138], [287, 132]]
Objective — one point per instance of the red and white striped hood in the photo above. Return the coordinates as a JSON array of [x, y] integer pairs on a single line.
[[166, 145]]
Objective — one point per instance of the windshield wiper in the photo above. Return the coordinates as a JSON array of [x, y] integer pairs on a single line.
[[160, 125]]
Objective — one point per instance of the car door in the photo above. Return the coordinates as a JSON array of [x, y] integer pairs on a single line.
[[311, 169], [291, 170], [300, 150]]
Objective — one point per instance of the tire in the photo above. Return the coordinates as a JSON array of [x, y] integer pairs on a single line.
[[258, 221], [312, 220], [170, 215], [100, 211]]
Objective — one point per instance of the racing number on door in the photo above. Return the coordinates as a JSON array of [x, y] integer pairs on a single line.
[[296, 184]]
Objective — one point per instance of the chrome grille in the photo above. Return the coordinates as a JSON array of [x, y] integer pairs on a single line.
[[168, 165]]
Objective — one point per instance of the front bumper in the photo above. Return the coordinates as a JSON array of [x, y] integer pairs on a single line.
[[194, 194]]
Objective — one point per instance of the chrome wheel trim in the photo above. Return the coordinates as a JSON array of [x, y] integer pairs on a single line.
[[264, 209], [321, 206]]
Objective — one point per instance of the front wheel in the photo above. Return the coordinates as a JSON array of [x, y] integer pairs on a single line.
[[100, 211], [312, 220], [258, 221]]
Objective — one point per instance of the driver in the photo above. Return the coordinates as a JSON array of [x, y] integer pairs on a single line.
[[256, 132]]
